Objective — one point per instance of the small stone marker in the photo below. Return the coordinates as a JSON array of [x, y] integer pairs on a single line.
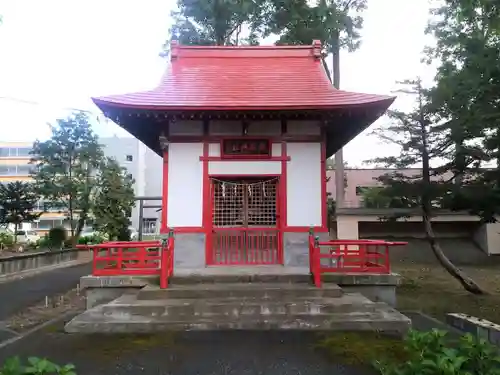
[[481, 328]]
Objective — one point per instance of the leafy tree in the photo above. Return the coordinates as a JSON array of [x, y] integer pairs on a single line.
[[466, 98], [65, 166], [114, 199], [217, 22], [374, 197], [421, 141], [18, 200], [337, 23]]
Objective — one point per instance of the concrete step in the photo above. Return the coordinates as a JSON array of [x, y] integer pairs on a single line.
[[236, 307], [251, 274], [384, 320], [240, 290]]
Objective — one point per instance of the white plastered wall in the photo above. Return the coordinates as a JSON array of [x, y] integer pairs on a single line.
[[185, 185], [303, 184]]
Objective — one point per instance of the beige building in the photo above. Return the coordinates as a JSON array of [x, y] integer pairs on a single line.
[[354, 221], [14, 166]]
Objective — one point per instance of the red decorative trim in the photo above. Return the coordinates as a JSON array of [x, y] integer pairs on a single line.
[[221, 158], [266, 156], [324, 211], [243, 175], [189, 230], [216, 139], [305, 229], [164, 202]]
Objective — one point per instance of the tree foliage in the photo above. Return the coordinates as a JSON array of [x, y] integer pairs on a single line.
[[337, 23], [465, 99], [65, 165], [113, 199], [217, 22], [18, 201]]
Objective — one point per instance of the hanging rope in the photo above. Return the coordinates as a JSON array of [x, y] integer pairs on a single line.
[[235, 184]]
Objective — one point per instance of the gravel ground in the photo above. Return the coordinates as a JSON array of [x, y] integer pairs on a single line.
[[45, 310], [187, 353]]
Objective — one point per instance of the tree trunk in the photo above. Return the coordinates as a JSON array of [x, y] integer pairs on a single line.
[[15, 233], [468, 284], [79, 227], [339, 155]]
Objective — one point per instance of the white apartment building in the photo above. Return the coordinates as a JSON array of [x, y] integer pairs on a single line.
[[145, 166]]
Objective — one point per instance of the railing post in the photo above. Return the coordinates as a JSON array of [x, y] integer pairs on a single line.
[[164, 262], [311, 249], [171, 248], [95, 254], [317, 263], [387, 260]]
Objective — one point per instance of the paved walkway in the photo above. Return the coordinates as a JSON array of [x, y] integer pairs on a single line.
[[21, 293]]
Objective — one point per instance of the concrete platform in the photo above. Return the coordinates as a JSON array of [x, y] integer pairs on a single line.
[[240, 307]]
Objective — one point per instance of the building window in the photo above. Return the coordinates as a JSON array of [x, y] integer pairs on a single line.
[[149, 225], [15, 151], [15, 170], [23, 151], [129, 158], [47, 224]]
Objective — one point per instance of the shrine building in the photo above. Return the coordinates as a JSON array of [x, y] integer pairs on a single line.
[[244, 133]]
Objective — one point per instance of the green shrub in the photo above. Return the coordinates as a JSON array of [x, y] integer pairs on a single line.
[[6, 239], [57, 236], [124, 234], [94, 240], [35, 366], [44, 242], [430, 353]]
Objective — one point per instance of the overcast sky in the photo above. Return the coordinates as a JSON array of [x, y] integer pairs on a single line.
[[59, 53]]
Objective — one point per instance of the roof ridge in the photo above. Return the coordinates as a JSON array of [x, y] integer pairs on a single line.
[[187, 51]]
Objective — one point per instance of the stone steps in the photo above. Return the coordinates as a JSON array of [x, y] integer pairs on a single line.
[[95, 321], [278, 291], [228, 307], [234, 308]]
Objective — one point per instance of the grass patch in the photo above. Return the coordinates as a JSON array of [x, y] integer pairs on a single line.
[[430, 289], [362, 348]]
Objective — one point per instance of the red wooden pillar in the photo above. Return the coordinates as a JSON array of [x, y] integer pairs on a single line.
[[164, 202], [324, 199], [207, 205]]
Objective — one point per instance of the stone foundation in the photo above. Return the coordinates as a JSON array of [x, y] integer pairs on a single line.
[[378, 288], [189, 250], [296, 248], [103, 289]]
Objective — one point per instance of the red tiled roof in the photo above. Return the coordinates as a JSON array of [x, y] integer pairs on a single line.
[[244, 78]]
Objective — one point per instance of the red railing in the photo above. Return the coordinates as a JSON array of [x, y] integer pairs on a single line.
[[349, 256], [245, 246], [141, 258]]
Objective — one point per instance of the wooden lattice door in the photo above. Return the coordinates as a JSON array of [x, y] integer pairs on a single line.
[[245, 222]]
